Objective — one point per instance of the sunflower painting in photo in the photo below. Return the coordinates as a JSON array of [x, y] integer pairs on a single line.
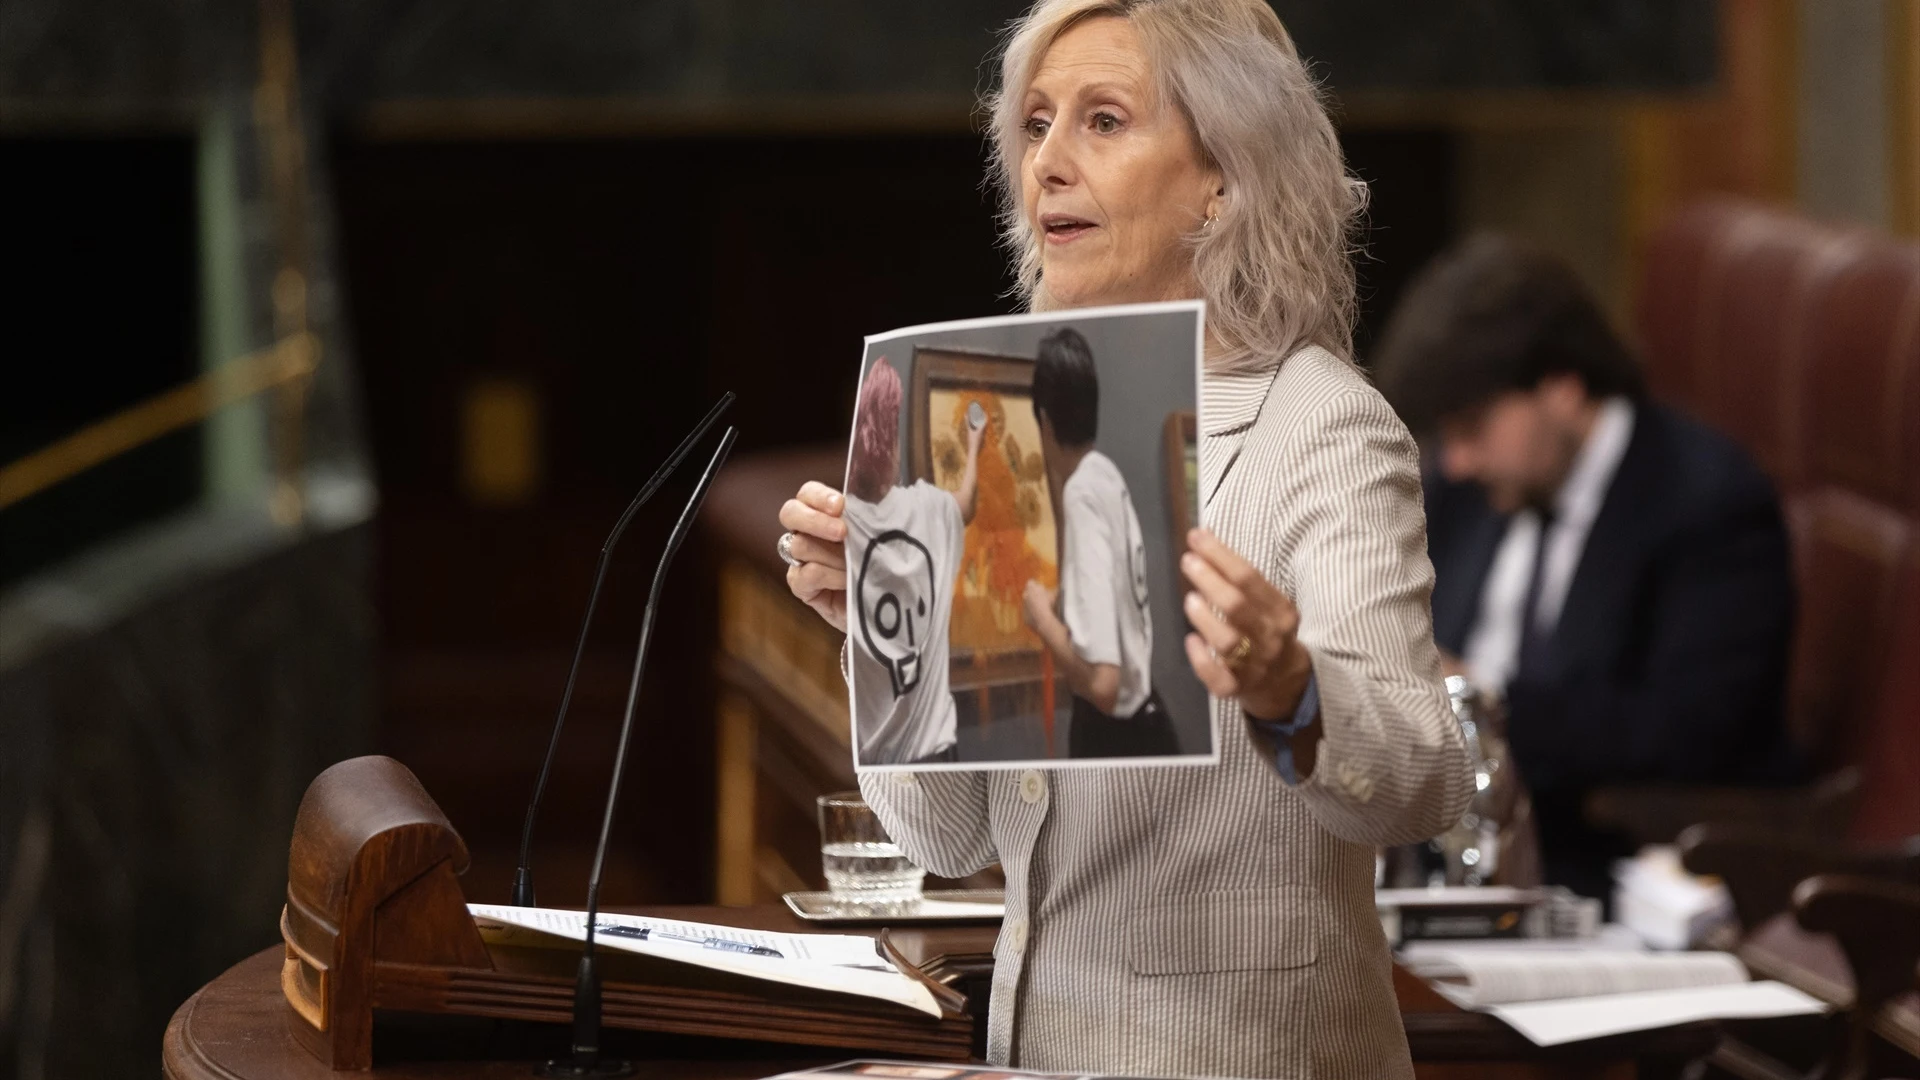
[[1011, 538]]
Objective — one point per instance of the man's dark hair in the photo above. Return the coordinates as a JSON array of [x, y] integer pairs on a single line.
[[1491, 315], [1066, 388]]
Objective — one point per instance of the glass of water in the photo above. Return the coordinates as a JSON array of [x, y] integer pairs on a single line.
[[866, 872]]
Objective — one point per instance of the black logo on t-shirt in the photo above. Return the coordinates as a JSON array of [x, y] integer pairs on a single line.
[[895, 600]]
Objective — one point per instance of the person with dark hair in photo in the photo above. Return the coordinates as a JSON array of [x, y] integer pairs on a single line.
[[1101, 638], [906, 540], [1617, 571]]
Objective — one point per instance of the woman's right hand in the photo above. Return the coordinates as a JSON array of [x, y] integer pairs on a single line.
[[819, 541]]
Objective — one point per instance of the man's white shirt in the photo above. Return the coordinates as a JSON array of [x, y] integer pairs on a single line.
[[1492, 652]]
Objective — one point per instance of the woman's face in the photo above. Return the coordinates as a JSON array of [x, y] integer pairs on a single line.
[[1112, 179]]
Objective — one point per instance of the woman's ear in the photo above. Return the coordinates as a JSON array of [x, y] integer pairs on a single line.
[[1215, 202]]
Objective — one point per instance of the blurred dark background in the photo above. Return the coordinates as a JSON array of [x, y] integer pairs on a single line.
[[533, 243]]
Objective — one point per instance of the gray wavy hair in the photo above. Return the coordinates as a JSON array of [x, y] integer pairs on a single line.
[[1276, 267]]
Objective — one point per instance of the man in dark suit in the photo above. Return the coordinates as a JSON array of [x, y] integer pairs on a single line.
[[1618, 571]]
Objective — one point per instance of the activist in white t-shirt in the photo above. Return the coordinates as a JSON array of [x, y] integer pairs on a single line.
[[904, 543], [1101, 635], [1103, 578]]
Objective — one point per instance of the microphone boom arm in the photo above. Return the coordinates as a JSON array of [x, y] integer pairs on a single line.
[[586, 994], [523, 870]]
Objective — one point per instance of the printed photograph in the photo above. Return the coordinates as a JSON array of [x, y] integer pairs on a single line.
[[1018, 490]]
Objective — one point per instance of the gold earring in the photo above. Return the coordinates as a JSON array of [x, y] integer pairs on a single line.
[[1207, 225]]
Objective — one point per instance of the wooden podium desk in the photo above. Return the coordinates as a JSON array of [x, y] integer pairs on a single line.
[[235, 1028]]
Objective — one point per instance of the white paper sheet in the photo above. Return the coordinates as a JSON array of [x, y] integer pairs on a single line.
[[1550, 1023], [843, 963]]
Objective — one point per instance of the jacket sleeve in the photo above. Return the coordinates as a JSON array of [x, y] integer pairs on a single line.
[[938, 818], [1391, 766], [1702, 702]]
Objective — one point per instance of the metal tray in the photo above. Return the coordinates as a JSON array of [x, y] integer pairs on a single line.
[[936, 906]]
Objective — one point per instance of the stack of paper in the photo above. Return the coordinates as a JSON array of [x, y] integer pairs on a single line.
[[1668, 907]]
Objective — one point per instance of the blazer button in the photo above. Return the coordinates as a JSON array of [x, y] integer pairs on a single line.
[[1017, 935], [1349, 777], [905, 779], [1033, 787]]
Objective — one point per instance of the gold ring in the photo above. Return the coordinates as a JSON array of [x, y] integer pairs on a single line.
[[1241, 650]]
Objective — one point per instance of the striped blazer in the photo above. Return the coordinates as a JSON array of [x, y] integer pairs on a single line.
[[1218, 921]]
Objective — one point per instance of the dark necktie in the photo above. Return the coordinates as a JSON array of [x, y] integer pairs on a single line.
[[1533, 636]]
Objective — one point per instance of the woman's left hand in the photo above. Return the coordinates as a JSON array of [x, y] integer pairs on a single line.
[[1231, 602]]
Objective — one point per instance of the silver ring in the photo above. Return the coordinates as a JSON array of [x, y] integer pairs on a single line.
[[785, 548]]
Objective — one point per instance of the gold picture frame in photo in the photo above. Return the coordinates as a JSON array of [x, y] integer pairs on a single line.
[[1012, 538]]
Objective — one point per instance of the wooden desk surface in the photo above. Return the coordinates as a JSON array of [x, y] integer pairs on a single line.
[[1814, 964], [235, 1028]]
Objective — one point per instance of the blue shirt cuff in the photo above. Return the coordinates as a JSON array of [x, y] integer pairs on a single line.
[[1283, 732]]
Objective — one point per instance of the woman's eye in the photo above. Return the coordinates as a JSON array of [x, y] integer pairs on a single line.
[[1036, 128], [1106, 123]]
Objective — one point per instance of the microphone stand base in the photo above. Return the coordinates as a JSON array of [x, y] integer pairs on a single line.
[[570, 1069]]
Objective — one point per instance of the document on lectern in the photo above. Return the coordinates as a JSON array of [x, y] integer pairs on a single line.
[[1018, 496], [839, 963]]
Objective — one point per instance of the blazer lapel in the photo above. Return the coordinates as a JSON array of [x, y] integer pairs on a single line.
[[1231, 405], [1615, 542]]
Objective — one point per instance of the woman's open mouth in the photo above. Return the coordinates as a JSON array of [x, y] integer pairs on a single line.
[[1064, 228]]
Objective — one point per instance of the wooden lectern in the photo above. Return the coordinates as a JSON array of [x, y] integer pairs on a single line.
[[375, 920]]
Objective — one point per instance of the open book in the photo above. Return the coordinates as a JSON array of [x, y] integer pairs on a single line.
[[839, 963], [1555, 996], [1471, 978]]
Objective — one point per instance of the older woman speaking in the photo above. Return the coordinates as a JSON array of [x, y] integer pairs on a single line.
[[1209, 921]]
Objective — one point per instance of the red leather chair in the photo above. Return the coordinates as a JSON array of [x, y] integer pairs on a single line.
[[1802, 341], [1888, 746], [1753, 318], [1862, 354], [1683, 260]]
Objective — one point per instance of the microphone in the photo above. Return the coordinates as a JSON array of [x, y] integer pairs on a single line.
[[523, 871], [586, 1060]]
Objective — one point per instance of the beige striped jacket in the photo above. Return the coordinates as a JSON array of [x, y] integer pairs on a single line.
[[1217, 921]]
